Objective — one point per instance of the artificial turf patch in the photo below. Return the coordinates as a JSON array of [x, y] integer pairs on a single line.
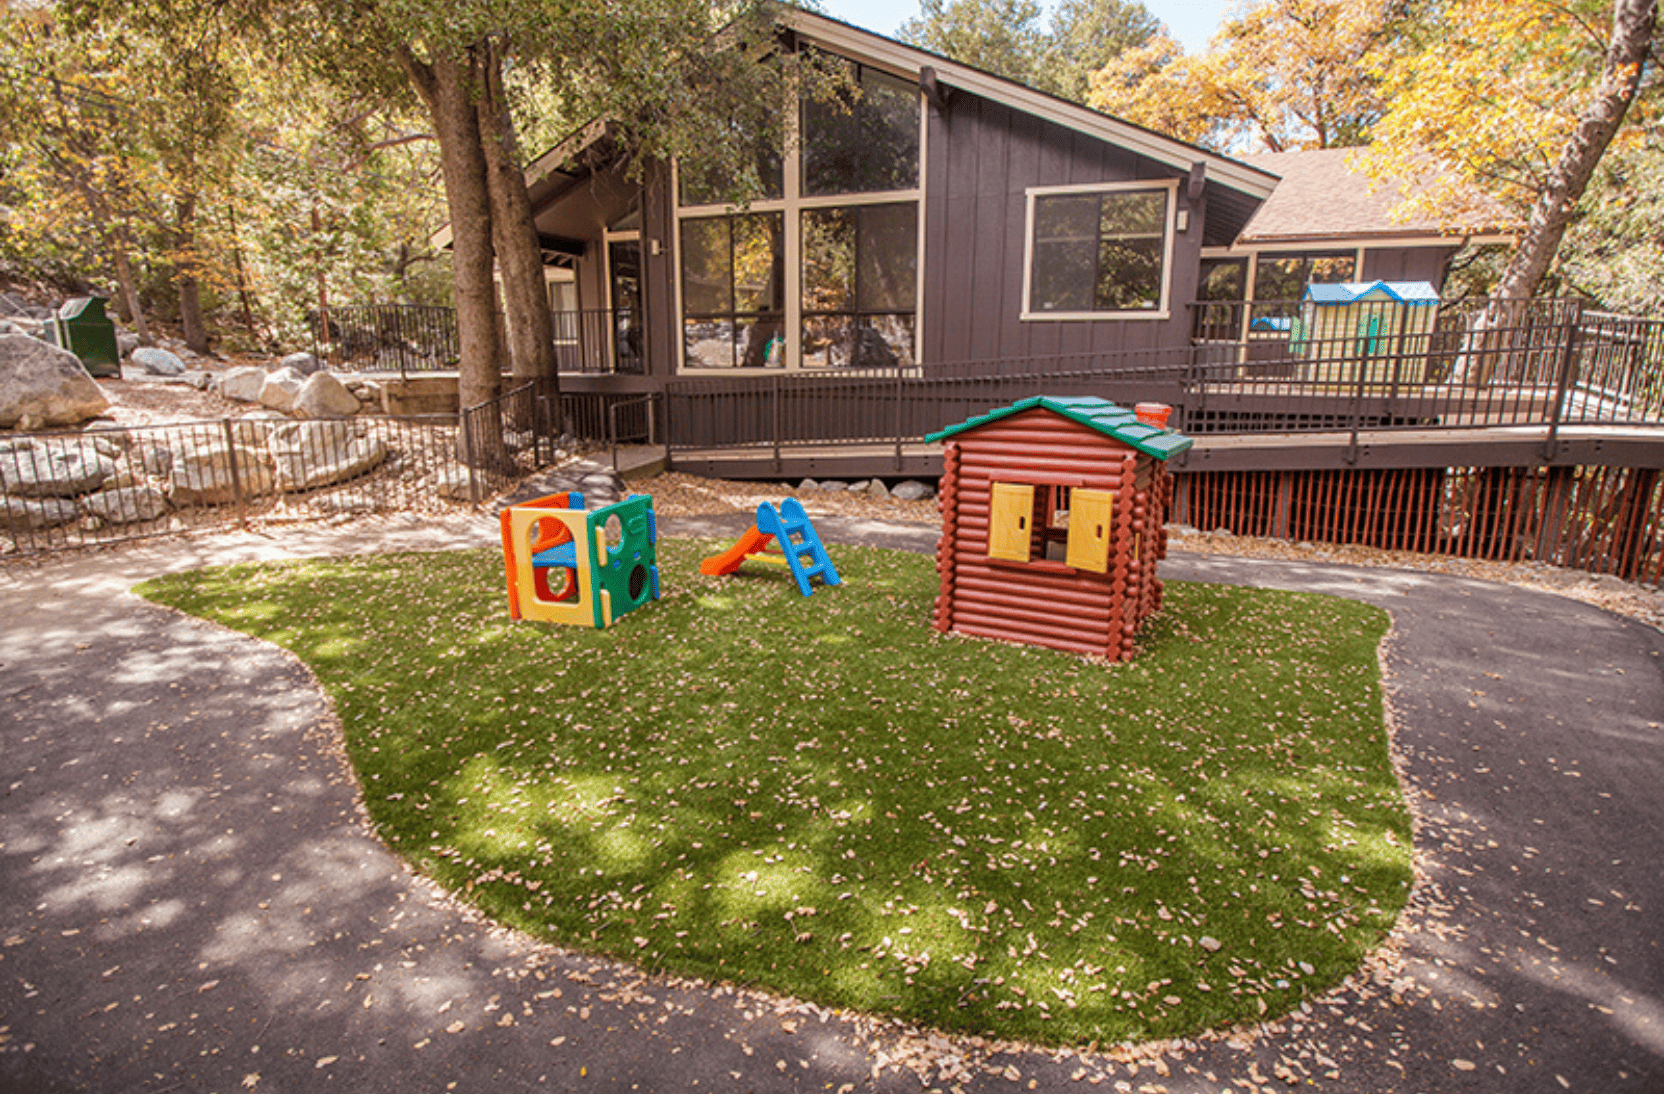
[[826, 798]]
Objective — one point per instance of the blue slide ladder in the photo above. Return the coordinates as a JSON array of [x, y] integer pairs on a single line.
[[799, 542]]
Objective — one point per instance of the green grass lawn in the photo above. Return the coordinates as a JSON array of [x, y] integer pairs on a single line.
[[826, 798]]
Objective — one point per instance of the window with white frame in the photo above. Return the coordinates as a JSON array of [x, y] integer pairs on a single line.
[[1098, 251]]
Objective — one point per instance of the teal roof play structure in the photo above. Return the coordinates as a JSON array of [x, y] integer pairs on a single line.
[[1420, 293], [1098, 414]]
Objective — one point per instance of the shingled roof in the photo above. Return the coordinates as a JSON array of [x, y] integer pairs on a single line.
[[1100, 414], [1323, 196]]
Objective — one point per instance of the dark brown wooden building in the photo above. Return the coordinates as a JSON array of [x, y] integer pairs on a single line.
[[1052, 524]]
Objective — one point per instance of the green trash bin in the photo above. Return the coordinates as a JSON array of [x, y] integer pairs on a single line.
[[84, 330]]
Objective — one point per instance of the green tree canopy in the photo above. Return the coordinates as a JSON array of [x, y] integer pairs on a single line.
[[1007, 38]]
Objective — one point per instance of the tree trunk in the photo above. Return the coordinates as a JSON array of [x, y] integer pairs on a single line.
[[1485, 345], [185, 279], [117, 244], [531, 331], [1632, 27], [242, 275], [445, 87]]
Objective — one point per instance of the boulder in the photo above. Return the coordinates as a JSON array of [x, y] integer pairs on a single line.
[[157, 362], [323, 396], [877, 489], [280, 389], [53, 470], [156, 458], [126, 343], [42, 385], [109, 443], [255, 429], [243, 383], [126, 505], [452, 484], [201, 473], [303, 363], [310, 454], [25, 515], [913, 490]]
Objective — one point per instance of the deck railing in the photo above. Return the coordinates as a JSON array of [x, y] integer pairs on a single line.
[[1545, 364], [410, 339]]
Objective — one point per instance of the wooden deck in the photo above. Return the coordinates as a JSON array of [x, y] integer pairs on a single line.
[[1491, 446]]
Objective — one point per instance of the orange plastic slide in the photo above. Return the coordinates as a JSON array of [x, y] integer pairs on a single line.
[[729, 561]]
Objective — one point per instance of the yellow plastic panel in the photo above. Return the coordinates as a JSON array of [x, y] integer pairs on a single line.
[[580, 610], [1010, 517], [1089, 523]]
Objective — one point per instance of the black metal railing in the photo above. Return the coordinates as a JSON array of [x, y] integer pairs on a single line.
[[531, 426], [409, 339], [108, 485], [400, 338], [600, 340], [1476, 365]]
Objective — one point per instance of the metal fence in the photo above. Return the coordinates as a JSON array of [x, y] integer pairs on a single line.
[[600, 340], [1473, 366], [409, 339], [1600, 519], [109, 484], [400, 338]]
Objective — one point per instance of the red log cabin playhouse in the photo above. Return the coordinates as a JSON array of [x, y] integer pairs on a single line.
[[1052, 524]]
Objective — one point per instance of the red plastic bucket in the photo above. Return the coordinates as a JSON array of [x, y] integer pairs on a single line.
[[1153, 414]]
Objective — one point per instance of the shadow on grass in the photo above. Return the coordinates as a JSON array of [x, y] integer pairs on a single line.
[[824, 797]]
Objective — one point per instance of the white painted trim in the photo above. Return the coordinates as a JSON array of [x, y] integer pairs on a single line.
[[1342, 243], [904, 60], [1164, 306]]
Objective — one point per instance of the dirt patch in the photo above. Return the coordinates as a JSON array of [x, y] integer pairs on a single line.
[[139, 403]]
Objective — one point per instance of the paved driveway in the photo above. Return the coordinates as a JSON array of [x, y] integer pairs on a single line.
[[190, 899]]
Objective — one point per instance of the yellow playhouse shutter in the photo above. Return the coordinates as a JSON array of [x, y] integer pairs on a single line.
[[1010, 511], [1089, 515]]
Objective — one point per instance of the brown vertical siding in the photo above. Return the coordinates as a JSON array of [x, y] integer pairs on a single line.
[[983, 158]]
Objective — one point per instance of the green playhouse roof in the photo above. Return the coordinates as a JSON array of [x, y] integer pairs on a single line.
[[1094, 413]]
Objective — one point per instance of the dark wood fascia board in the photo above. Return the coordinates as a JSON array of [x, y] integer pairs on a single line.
[[1330, 451]]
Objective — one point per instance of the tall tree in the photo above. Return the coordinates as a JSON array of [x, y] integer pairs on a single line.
[[656, 67], [1280, 75], [999, 36], [1517, 100], [84, 168], [1087, 35], [1006, 37]]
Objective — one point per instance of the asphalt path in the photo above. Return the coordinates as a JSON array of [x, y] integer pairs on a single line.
[[191, 898]]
